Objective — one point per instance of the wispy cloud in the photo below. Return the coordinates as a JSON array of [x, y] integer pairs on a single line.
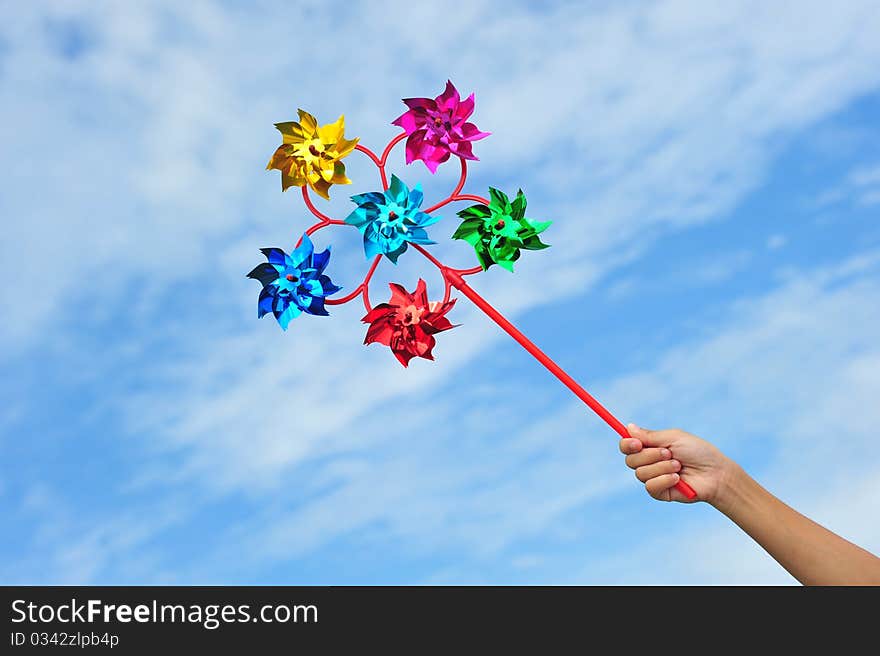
[[135, 138], [860, 187]]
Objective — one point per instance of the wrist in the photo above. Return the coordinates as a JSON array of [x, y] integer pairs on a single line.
[[733, 483]]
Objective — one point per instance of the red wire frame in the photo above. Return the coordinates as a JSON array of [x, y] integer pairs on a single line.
[[455, 278], [363, 289]]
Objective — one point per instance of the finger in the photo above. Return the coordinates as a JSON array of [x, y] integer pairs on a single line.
[[646, 473], [661, 486], [628, 446], [647, 457]]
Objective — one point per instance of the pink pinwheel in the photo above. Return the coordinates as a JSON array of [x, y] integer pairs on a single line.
[[437, 128]]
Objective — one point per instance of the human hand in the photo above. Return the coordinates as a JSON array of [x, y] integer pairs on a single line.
[[661, 457]]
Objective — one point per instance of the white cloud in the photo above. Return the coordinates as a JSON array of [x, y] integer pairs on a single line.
[[162, 130], [166, 120], [866, 176], [860, 187], [688, 272], [866, 185], [775, 242], [789, 376]]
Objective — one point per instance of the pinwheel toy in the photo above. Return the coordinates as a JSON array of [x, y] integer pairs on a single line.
[[393, 221]]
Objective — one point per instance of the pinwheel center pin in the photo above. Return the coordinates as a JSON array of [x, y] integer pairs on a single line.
[[412, 315], [500, 224], [314, 150], [291, 278]]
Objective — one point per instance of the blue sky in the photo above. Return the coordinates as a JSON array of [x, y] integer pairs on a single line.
[[714, 181]]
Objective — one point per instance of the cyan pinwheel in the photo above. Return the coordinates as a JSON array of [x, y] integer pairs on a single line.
[[391, 219]]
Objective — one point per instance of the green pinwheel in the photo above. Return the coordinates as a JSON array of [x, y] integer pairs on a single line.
[[499, 231]]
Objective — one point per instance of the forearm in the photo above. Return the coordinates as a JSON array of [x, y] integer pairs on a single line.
[[809, 552]]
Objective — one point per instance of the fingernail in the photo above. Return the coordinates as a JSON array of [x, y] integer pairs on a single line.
[[666, 453], [634, 444], [675, 477], [676, 465]]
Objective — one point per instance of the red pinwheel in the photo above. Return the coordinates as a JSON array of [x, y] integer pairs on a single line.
[[408, 322]]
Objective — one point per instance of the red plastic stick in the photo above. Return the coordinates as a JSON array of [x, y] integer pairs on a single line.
[[459, 283]]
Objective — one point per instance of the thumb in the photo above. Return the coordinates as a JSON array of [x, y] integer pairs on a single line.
[[648, 437]]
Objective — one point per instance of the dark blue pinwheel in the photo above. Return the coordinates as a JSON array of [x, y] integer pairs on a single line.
[[293, 283], [390, 219]]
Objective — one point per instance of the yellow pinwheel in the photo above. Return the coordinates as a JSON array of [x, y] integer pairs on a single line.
[[310, 155]]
